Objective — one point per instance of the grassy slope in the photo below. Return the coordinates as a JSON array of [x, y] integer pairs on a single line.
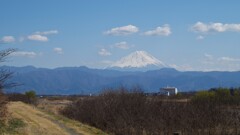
[[39, 122]]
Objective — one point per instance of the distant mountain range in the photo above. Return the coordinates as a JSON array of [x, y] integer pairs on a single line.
[[83, 80]]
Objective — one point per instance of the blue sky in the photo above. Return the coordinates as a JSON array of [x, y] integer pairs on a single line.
[[186, 35]]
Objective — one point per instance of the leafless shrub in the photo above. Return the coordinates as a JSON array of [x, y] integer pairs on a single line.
[[126, 112], [17, 97], [3, 110]]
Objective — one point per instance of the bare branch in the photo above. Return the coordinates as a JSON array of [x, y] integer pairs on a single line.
[[5, 53]]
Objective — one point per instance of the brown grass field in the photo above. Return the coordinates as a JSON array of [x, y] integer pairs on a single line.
[[40, 122]]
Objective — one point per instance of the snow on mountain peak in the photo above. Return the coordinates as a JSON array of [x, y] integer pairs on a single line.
[[138, 59]]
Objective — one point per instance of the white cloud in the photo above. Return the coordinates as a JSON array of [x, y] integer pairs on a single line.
[[228, 59], [199, 27], [200, 37], [184, 67], [124, 30], [41, 36], [24, 54], [47, 32], [215, 27], [104, 52], [165, 30], [7, 39], [174, 66], [37, 37], [122, 45], [58, 50], [208, 56], [211, 63], [212, 60]]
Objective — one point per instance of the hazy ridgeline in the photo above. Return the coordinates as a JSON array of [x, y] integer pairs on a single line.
[[131, 112], [83, 80]]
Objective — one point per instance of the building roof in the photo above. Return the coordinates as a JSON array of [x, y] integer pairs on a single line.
[[169, 88]]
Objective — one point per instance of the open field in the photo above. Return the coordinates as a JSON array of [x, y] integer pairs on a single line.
[[39, 122]]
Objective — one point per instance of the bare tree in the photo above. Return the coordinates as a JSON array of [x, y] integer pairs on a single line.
[[4, 76]]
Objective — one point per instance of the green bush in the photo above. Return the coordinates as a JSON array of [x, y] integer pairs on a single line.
[[31, 96], [221, 96], [203, 96]]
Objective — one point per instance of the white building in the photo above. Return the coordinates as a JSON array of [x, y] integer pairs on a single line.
[[170, 90]]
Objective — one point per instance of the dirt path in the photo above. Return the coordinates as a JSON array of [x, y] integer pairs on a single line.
[[41, 123]]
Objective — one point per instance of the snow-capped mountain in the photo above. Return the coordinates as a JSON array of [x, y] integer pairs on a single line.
[[138, 59]]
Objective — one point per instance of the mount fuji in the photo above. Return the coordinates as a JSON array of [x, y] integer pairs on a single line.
[[139, 61]]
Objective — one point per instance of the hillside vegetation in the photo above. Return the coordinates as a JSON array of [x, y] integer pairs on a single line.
[[124, 112]]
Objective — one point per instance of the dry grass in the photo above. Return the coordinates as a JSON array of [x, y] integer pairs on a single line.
[[52, 106], [39, 122], [36, 123]]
